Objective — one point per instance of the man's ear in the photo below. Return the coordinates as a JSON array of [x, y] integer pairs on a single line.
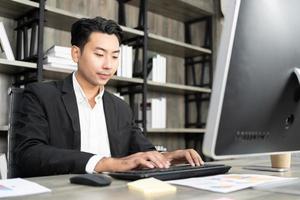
[[75, 52]]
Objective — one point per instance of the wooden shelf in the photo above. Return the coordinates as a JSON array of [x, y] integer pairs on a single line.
[[58, 73], [62, 20], [16, 8], [14, 66], [176, 130], [175, 88], [55, 17], [4, 128], [169, 46], [181, 10]]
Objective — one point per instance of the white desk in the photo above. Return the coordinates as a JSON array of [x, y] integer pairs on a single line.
[[63, 190]]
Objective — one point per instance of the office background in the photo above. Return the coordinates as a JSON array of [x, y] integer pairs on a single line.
[[159, 25]]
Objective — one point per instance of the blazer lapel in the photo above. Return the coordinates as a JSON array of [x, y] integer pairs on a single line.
[[69, 100], [110, 118]]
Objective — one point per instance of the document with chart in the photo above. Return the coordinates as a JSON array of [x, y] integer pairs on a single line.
[[229, 182], [19, 187]]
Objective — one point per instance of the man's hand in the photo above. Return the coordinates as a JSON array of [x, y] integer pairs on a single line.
[[150, 159], [186, 155]]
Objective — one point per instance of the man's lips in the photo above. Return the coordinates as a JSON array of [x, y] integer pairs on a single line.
[[103, 75]]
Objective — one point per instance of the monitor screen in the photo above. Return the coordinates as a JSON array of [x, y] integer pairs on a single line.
[[254, 107]]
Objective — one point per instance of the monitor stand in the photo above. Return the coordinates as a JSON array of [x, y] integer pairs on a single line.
[[265, 168], [280, 163]]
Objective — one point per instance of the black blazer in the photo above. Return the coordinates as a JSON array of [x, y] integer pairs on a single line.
[[48, 131]]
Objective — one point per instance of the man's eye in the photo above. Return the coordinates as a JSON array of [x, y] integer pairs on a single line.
[[99, 54], [115, 57]]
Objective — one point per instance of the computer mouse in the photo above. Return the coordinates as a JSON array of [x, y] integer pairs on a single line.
[[91, 179]]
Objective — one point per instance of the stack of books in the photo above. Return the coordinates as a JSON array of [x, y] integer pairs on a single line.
[[125, 66], [59, 57], [159, 69], [156, 112]]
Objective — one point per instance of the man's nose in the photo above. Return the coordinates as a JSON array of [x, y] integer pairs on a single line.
[[107, 64]]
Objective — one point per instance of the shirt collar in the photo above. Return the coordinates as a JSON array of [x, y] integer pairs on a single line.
[[80, 95]]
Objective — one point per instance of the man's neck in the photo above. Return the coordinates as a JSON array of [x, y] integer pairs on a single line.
[[90, 91]]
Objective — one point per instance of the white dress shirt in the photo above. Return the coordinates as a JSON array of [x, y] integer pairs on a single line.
[[93, 137]]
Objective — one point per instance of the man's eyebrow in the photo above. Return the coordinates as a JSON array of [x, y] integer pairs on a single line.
[[105, 50]]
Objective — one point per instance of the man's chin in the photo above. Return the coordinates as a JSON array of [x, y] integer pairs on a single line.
[[102, 82]]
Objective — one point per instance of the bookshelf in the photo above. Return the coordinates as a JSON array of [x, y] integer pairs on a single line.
[[188, 13], [61, 19]]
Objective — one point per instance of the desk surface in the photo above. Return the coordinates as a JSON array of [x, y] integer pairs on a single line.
[[63, 190]]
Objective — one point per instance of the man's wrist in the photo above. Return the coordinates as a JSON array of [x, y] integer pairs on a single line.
[[168, 155], [91, 164], [103, 165]]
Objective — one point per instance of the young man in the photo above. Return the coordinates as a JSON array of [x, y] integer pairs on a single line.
[[75, 126]]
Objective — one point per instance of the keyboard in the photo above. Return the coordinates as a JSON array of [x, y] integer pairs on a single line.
[[174, 172]]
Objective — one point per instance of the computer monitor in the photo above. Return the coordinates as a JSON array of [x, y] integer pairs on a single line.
[[254, 107]]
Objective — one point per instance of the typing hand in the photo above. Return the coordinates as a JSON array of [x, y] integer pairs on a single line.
[[180, 156], [150, 159]]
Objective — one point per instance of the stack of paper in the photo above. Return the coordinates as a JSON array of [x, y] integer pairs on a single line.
[[59, 57]]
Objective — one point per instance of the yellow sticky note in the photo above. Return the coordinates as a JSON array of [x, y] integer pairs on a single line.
[[151, 186]]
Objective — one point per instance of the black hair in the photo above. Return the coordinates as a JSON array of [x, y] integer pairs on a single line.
[[82, 29]]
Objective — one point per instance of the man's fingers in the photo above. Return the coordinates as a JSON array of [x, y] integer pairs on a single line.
[[144, 163], [189, 158], [157, 158], [132, 163], [196, 157]]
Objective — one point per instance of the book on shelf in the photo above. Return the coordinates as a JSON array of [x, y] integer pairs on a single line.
[[5, 48], [3, 166], [159, 67], [27, 42], [58, 60], [156, 112], [31, 46], [125, 67], [59, 57], [33, 34], [59, 51], [60, 67]]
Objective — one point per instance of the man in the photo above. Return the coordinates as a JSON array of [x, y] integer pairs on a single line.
[[75, 126]]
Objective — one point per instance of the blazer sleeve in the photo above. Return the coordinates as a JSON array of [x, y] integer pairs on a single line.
[[139, 143], [124, 136], [34, 153]]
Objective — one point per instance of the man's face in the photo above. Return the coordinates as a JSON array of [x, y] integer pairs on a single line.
[[98, 61]]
